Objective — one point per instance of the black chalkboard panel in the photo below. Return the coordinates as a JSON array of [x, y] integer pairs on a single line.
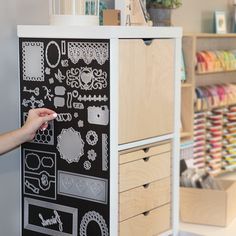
[[65, 169]]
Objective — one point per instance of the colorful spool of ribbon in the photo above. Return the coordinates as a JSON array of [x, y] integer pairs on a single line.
[[208, 97], [215, 61]]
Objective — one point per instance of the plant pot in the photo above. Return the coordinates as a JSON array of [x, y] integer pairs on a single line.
[[160, 16]]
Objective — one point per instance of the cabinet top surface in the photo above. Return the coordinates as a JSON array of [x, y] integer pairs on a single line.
[[109, 32]]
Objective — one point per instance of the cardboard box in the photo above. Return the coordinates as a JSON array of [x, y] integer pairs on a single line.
[[111, 17], [209, 207]]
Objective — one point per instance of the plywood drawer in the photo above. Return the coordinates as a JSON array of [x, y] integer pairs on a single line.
[[146, 151], [146, 89], [150, 224], [144, 198], [144, 171]]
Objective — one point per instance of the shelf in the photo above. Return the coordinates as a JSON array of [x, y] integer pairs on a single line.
[[207, 35], [186, 85], [215, 72], [186, 134], [215, 107]]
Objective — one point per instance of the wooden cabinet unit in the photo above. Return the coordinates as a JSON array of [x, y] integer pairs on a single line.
[[115, 144]]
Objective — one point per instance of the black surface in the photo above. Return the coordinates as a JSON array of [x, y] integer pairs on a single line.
[[83, 206]]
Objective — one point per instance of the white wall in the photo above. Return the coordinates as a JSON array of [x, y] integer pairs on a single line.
[[198, 15], [12, 12]]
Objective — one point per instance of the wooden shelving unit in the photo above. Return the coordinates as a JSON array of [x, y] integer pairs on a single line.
[[193, 43], [185, 135], [186, 85], [187, 90], [214, 72]]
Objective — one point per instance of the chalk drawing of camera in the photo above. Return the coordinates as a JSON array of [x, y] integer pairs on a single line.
[[98, 115]]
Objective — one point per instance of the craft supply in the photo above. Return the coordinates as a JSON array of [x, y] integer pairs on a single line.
[[215, 61], [200, 179], [111, 17], [208, 97]]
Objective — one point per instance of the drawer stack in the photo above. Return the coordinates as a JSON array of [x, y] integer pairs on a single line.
[[144, 190]]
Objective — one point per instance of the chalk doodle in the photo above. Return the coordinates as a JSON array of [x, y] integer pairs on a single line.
[[86, 78], [40, 173], [88, 51], [70, 145], [34, 102], [33, 61], [93, 216]]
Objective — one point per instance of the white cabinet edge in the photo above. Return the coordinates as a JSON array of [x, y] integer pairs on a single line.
[[97, 32]]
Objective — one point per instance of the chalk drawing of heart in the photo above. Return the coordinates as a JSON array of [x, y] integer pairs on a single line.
[[80, 185], [86, 77], [95, 188], [67, 182]]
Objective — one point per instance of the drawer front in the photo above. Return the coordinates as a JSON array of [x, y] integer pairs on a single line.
[[144, 198], [146, 89], [146, 151], [144, 171], [151, 224]]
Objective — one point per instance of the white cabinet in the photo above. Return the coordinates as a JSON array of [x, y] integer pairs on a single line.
[[117, 94]]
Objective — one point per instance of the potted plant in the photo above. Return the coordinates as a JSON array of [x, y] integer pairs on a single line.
[[160, 11]]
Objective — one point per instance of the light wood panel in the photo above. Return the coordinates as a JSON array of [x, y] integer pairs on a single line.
[[144, 152], [187, 110], [154, 223], [146, 89], [215, 78], [187, 89], [215, 43], [189, 44], [144, 198], [186, 85], [201, 205], [231, 206], [210, 35], [138, 173]]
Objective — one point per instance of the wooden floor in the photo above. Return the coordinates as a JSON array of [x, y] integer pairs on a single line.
[[208, 230]]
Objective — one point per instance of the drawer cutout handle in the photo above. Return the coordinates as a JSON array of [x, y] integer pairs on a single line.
[[147, 42], [146, 150], [146, 186], [146, 213], [146, 159]]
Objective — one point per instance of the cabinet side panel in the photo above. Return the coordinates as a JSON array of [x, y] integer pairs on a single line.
[[66, 167]]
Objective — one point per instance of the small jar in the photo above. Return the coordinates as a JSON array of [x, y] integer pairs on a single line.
[[74, 12]]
